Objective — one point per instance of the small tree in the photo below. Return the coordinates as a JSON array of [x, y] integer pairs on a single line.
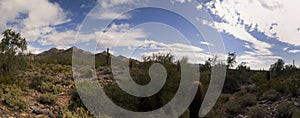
[[212, 61], [277, 67], [231, 59], [243, 66], [12, 46], [290, 68]]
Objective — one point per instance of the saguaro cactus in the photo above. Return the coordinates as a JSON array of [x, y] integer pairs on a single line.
[[107, 56]]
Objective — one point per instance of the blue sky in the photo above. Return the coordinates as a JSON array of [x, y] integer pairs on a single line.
[[259, 31]]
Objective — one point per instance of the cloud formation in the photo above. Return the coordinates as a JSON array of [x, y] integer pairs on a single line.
[[294, 51], [109, 15], [274, 18], [33, 18]]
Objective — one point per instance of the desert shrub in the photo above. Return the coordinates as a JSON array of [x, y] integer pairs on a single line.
[[259, 78], [38, 80], [270, 95], [45, 87], [6, 79], [61, 69], [49, 87], [257, 112], [285, 110], [78, 113], [277, 85], [9, 80], [86, 73], [296, 113], [141, 77], [14, 103], [217, 111], [89, 95], [223, 98], [214, 113], [247, 100], [11, 97], [47, 98], [238, 105], [127, 101], [35, 82], [251, 88], [205, 79], [232, 107], [75, 101], [241, 93], [231, 84], [290, 87], [66, 82]]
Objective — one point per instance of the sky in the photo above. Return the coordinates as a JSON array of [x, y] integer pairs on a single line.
[[259, 31]]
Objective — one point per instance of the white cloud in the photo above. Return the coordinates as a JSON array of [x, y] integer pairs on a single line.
[[275, 18], [199, 7], [109, 10], [294, 51], [64, 39], [240, 32], [59, 38], [193, 57], [121, 35], [33, 50], [257, 62], [206, 43], [183, 1], [107, 15], [115, 36], [113, 3], [175, 47], [285, 48], [32, 18]]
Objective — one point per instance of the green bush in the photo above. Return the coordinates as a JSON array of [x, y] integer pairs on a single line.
[[231, 84], [224, 98], [296, 113], [247, 100], [233, 107], [47, 98], [285, 110], [9, 80], [49, 87], [66, 82], [61, 69], [11, 97], [127, 101], [257, 112], [37, 81], [241, 93], [86, 73], [78, 113], [76, 108], [75, 101], [214, 113], [291, 87], [14, 103], [271, 95]]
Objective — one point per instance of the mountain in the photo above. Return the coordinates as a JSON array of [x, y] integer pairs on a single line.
[[61, 56]]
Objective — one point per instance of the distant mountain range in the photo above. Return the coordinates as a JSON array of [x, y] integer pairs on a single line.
[[62, 56]]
